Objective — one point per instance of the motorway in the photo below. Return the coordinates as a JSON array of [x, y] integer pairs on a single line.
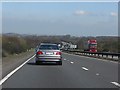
[[76, 72]]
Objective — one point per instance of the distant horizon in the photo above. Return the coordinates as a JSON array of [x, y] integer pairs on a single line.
[[60, 35]]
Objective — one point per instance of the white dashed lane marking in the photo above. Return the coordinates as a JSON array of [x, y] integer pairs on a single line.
[[97, 74], [84, 68], [64, 59], [71, 62], [104, 60]]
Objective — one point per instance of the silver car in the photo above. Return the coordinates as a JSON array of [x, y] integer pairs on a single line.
[[48, 53]]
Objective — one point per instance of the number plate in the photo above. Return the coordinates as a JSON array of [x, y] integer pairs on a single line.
[[49, 53]]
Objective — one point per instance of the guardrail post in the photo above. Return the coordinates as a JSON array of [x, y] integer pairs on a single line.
[[99, 54]]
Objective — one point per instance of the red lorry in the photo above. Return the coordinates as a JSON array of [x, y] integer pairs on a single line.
[[91, 45]]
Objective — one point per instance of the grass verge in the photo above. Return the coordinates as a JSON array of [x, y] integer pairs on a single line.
[[12, 61]]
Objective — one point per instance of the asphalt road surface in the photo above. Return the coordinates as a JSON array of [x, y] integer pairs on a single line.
[[76, 72]]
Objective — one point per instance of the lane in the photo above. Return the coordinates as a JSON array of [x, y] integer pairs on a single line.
[[69, 75], [106, 69], [15, 70]]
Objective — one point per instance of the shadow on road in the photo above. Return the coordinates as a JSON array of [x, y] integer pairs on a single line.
[[31, 63], [43, 64]]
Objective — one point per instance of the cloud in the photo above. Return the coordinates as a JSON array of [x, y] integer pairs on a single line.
[[80, 12], [113, 14]]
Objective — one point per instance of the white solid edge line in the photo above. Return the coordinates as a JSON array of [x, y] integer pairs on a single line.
[[116, 84], [94, 58], [11, 73], [84, 68]]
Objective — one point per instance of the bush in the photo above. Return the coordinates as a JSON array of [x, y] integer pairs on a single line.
[[13, 45]]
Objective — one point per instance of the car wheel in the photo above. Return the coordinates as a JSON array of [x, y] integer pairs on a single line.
[[60, 63], [38, 63]]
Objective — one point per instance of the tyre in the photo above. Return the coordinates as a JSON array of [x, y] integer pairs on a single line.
[[59, 63], [38, 63]]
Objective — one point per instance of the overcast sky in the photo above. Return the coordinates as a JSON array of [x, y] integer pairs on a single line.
[[61, 18]]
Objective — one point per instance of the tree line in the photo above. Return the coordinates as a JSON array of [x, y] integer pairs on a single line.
[[15, 44]]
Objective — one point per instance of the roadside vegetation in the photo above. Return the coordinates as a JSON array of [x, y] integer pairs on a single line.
[[15, 43], [12, 45]]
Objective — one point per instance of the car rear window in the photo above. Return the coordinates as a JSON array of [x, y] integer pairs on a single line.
[[49, 47]]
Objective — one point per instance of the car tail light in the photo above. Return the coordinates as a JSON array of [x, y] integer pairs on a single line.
[[58, 53], [39, 52]]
